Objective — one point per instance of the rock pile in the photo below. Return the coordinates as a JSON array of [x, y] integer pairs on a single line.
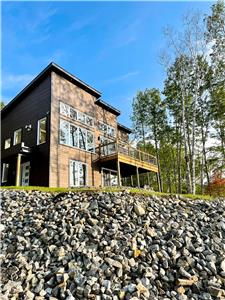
[[111, 246]]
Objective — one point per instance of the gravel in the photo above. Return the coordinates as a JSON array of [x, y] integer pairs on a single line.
[[117, 246]]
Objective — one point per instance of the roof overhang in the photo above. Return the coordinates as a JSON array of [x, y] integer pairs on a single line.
[[107, 106], [52, 67], [124, 128]]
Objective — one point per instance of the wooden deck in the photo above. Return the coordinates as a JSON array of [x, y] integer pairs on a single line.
[[127, 155]]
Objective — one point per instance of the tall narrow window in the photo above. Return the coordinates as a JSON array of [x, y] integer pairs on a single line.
[[73, 136], [7, 143], [42, 131], [64, 132], [78, 173], [82, 138], [90, 141], [5, 171], [17, 136]]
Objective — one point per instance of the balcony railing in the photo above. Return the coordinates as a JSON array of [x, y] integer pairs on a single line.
[[113, 148]]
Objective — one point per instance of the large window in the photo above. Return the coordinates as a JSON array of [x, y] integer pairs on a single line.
[[17, 136], [107, 129], [68, 111], [42, 131], [109, 177], [64, 132], [75, 136], [78, 173], [5, 171], [7, 143]]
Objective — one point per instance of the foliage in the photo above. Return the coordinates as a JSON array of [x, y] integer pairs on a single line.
[[2, 104], [217, 185], [179, 128], [134, 191]]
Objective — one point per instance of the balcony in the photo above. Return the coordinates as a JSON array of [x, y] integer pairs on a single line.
[[126, 154]]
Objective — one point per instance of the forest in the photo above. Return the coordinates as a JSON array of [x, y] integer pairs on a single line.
[[183, 125]]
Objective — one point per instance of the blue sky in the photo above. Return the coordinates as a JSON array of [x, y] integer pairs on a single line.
[[112, 46]]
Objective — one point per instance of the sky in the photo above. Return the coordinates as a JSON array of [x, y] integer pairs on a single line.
[[112, 46]]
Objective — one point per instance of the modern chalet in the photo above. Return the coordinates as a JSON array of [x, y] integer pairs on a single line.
[[58, 132]]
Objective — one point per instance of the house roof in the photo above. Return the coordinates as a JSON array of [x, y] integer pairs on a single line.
[[57, 69], [108, 107], [124, 128]]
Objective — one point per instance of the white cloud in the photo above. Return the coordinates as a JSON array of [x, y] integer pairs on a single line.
[[122, 77], [10, 81]]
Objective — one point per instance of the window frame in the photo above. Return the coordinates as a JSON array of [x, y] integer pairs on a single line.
[[10, 140], [3, 180], [78, 162], [79, 114], [79, 128], [14, 136], [38, 131]]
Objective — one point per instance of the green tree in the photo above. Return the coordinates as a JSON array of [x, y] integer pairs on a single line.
[[2, 104]]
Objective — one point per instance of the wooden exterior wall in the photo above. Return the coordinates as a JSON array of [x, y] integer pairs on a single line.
[[60, 155], [34, 106]]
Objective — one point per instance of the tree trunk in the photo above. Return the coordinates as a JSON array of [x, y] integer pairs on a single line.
[[193, 145], [158, 164], [204, 154], [202, 173], [143, 135], [187, 158]]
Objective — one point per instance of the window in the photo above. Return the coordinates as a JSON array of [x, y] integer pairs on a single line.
[[73, 114], [17, 136], [68, 111], [64, 109], [82, 138], [89, 121], [73, 135], [109, 177], [5, 171], [7, 143], [111, 131], [81, 117], [64, 132], [90, 141], [41, 132], [107, 129], [78, 173], [102, 127]]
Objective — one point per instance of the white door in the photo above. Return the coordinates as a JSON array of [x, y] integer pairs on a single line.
[[25, 173]]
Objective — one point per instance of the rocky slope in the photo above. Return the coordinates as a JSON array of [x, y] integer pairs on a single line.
[[111, 246]]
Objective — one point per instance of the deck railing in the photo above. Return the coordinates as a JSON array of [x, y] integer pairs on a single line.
[[113, 148]]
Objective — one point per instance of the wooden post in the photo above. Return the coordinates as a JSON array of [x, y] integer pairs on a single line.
[[159, 187], [138, 179], [131, 180], [148, 176], [118, 173], [18, 169]]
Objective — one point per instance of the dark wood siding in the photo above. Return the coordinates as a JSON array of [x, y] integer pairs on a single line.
[[33, 107]]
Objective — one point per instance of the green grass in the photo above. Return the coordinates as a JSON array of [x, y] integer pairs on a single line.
[[105, 189]]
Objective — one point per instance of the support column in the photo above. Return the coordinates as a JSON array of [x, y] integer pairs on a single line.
[[138, 179], [18, 169], [158, 182], [148, 177], [131, 180], [118, 173]]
